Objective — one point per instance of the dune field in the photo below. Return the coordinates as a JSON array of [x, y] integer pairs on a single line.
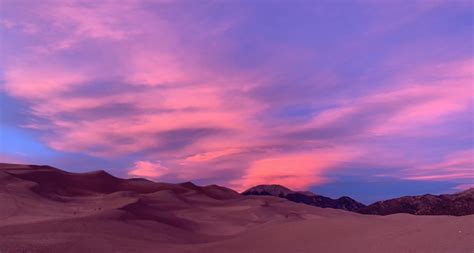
[[44, 209]]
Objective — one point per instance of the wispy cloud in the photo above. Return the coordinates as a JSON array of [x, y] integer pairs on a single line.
[[458, 165]]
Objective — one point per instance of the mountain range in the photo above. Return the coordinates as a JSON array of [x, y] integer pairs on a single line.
[[457, 204], [344, 203]]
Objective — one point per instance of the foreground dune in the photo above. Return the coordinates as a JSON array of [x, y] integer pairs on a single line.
[[48, 210]]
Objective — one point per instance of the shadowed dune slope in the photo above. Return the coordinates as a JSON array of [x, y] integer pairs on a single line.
[[44, 209]]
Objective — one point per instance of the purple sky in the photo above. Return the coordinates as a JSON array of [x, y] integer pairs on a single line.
[[372, 99]]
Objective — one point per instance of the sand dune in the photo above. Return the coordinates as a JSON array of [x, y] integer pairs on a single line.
[[48, 210]]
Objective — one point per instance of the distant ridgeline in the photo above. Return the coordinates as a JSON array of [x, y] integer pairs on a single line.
[[446, 204]]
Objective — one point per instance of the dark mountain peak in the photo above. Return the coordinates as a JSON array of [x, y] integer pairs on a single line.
[[348, 203], [305, 197], [268, 189], [345, 198]]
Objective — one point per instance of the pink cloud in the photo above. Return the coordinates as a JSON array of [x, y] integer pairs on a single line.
[[192, 96], [148, 169], [463, 187], [211, 155], [436, 100], [8, 24], [157, 69], [458, 165], [408, 106], [87, 135], [296, 170], [76, 21], [40, 82], [4, 158], [441, 177]]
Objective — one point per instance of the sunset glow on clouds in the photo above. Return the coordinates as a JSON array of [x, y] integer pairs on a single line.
[[240, 93], [147, 170]]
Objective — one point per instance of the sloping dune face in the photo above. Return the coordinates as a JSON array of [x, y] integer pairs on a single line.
[[43, 209]]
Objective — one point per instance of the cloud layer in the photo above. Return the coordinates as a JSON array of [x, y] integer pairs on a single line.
[[244, 93]]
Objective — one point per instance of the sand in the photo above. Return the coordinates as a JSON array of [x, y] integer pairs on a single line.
[[96, 212]]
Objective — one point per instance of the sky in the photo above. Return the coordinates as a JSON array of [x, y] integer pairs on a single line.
[[371, 99]]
